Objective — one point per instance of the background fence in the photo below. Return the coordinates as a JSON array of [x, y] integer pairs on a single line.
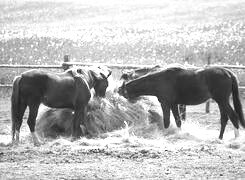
[[67, 63]]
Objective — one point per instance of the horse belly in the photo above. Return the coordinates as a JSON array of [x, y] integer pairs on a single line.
[[193, 96], [57, 101], [59, 95]]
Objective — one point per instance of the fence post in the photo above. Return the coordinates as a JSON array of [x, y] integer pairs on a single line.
[[208, 102], [66, 59]]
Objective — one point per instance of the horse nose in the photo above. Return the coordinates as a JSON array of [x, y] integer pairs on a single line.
[[101, 94], [119, 91]]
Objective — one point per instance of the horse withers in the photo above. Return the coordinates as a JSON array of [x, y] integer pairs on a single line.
[[176, 85], [134, 74], [70, 89]]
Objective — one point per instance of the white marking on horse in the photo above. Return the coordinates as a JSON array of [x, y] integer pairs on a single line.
[[35, 139], [17, 136], [236, 132]]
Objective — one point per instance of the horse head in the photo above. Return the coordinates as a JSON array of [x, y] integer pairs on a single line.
[[123, 91], [129, 96], [101, 76]]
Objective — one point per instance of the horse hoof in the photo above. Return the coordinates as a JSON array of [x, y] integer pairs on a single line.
[[37, 144], [217, 141], [179, 124], [14, 143], [74, 138], [178, 130]]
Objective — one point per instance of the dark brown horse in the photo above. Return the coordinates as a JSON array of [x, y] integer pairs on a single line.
[[174, 86], [134, 74], [70, 89]]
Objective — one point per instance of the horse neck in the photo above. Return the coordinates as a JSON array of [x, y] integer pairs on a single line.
[[142, 86], [85, 75], [90, 79]]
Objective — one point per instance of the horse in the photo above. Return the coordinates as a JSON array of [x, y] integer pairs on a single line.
[[176, 85], [70, 89], [134, 74]]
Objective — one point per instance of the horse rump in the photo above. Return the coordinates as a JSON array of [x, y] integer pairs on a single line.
[[236, 100]]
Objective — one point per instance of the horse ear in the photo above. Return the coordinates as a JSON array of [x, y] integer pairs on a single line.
[[103, 76], [123, 85], [109, 73]]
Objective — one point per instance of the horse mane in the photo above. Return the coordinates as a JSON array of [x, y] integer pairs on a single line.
[[153, 74], [90, 73], [84, 73]]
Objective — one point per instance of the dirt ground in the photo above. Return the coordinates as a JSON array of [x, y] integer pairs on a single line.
[[123, 32], [120, 163], [120, 155]]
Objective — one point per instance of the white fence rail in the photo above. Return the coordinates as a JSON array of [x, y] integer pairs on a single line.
[[67, 63]]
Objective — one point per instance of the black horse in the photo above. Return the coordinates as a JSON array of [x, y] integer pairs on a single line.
[[174, 86], [70, 89], [134, 74]]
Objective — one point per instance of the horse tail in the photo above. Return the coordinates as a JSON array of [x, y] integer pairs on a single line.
[[15, 102], [236, 100]]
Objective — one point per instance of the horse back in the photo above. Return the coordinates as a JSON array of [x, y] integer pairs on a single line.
[[182, 86], [33, 83], [53, 90], [163, 83], [202, 84]]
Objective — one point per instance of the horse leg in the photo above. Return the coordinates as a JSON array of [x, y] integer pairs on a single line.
[[233, 117], [182, 110], [166, 114], [78, 116], [84, 123], [223, 120], [18, 123], [175, 111], [33, 110]]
